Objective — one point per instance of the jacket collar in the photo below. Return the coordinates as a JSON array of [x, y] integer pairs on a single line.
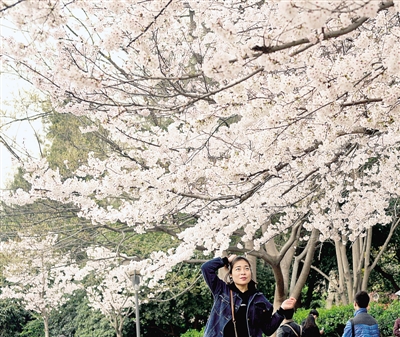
[[251, 287]]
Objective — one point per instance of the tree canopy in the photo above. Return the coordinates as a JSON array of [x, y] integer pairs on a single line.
[[228, 123]]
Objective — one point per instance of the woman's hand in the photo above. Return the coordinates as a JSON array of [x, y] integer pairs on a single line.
[[231, 257], [288, 303]]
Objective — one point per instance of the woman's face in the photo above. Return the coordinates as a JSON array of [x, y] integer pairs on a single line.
[[241, 273]]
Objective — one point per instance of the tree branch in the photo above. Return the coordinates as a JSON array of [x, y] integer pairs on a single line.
[[364, 101], [148, 26], [326, 35], [10, 6]]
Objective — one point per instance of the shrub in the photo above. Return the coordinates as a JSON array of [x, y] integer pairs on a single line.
[[386, 317], [193, 333], [332, 320]]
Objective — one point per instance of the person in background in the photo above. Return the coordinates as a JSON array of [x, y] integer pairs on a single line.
[[289, 328], [315, 314], [363, 324], [310, 327], [252, 313], [396, 328]]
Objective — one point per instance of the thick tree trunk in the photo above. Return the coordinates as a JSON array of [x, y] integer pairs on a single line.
[[280, 260], [341, 258]]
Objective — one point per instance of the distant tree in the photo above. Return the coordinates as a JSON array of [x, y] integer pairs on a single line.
[[109, 286], [37, 274], [231, 125]]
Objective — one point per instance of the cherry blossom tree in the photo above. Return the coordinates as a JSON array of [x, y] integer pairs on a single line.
[[38, 275], [231, 123], [111, 289]]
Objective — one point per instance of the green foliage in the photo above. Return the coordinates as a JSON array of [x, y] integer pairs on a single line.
[[386, 315], [140, 244], [76, 318], [63, 321], [34, 328], [193, 333], [12, 317], [91, 323], [265, 279], [386, 275], [69, 147], [186, 305], [332, 320]]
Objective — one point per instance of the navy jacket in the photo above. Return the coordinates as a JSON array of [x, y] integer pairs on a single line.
[[364, 325], [259, 310]]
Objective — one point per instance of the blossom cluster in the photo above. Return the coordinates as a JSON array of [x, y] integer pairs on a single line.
[[231, 112]]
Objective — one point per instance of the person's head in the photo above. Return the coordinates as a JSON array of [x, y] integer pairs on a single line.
[[310, 321], [361, 299], [315, 313], [239, 271]]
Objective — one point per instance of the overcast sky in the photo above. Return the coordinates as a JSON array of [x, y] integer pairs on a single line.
[[19, 135]]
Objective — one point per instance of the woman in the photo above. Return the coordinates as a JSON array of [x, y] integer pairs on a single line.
[[252, 311], [310, 328]]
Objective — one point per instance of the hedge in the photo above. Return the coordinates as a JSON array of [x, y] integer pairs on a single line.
[[334, 320]]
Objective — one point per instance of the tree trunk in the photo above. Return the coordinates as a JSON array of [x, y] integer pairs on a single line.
[[309, 257], [342, 263], [368, 268], [279, 262], [362, 266], [46, 325], [252, 259]]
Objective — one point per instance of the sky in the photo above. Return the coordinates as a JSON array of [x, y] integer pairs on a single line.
[[20, 132], [7, 90]]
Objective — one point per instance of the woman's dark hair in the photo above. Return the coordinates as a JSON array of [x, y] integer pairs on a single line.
[[227, 277], [309, 322]]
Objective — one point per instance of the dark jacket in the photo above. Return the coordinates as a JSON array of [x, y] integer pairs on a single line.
[[289, 329], [259, 311], [364, 325], [312, 331]]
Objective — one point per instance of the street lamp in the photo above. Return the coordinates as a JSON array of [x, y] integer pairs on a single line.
[[136, 286]]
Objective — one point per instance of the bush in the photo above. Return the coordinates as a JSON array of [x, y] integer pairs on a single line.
[[193, 333], [332, 320], [386, 315]]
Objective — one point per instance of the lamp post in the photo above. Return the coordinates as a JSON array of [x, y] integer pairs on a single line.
[[136, 285]]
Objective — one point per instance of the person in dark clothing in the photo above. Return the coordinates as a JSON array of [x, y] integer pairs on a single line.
[[252, 312], [315, 314], [310, 328], [363, 324], [289, 328]]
